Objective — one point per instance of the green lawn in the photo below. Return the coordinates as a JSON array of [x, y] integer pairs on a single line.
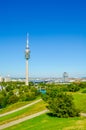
[[45, 122], [24, 112], [16, 105], [80, 101]]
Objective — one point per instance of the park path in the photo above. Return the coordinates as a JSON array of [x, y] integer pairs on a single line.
[[26, 118], [21, 120], [83, 114], [20, 108]]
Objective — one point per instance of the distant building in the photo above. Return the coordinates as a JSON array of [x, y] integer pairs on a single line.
[[65, 77], [7, 79], [1, 79]]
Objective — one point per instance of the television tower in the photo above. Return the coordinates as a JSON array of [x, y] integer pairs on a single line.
[[27, 56]]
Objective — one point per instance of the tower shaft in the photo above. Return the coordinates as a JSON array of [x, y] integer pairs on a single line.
[[27, 73]]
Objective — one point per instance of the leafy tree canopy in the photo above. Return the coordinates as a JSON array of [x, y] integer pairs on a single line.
[[59, 103]]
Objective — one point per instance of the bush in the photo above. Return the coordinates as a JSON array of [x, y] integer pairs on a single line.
[[84, 91], [27, 96], [82, 85], [60, 104], [1, 100], [73, 87], [12, 99]]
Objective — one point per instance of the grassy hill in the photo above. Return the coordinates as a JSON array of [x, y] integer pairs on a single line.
[[45, 122], [24, 112], [80, 101], [16, 105]]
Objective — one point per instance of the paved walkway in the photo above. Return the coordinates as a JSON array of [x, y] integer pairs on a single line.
[[83, 114], [25, 118], [20, 108], [21, 120]]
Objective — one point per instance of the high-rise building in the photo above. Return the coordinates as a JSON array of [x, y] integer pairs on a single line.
[[65, 77], [27, 56]]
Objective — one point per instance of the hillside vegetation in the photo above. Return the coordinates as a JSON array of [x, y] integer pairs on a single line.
[[45, 121]]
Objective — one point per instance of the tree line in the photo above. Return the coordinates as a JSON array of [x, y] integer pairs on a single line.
[[12, 92]]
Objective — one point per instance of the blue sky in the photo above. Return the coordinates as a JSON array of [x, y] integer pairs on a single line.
[[57, 32]]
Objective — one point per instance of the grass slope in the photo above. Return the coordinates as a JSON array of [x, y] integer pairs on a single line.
[[16, 105], [24, 112], [45, 122], [80, 101]]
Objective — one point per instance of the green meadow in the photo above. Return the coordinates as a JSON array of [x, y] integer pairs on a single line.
[[80, 101], [16, 105], [24, 112], [45, 122]]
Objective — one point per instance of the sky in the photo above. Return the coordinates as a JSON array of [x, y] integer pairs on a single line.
[[57, 37]]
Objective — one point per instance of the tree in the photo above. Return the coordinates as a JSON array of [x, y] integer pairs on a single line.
[[1, 100], [12, 99], [73, 87], [60, 104]]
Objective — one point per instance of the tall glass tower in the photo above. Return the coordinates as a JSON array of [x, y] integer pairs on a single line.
[[65, 77], [27, 56]]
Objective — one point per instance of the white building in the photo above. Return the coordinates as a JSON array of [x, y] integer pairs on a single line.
[[1, 79], [7, 79]]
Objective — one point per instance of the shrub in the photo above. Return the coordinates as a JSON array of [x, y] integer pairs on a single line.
[[84, 91], [12, 99], [73, 87], [60, 104], [82, 85], [1, 100]]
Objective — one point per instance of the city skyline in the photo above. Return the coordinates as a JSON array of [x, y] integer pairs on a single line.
[[57, 35]]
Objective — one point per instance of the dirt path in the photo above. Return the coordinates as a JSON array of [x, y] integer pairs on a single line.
[[21, 120], [20, 108]]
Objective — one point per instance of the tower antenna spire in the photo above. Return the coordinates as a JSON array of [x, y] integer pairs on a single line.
[[27, 45]]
